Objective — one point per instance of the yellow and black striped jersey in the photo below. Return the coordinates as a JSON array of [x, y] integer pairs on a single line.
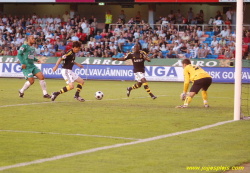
[[68, 60], [138, 60], [192, 73]]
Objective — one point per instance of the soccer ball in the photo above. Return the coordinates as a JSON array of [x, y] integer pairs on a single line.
[[99, 95]]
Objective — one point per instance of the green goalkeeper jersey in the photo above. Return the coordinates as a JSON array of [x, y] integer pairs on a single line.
[[26, 55]]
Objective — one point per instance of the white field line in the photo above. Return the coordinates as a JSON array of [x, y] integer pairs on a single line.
[[53, 133], [27, 104], [112, 146]]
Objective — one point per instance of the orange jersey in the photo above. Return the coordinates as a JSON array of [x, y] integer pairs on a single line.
[[192, 73]]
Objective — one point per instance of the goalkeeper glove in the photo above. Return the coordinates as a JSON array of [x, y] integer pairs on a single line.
[[183, 96]]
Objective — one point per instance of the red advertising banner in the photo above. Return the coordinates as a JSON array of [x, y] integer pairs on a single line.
[[177, 1], [75, 0]]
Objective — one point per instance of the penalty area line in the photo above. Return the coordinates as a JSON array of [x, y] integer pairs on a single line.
[[54, 133], [112, 146]]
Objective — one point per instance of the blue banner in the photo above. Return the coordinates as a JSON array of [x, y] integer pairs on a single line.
[[103, 72], [227, 74]]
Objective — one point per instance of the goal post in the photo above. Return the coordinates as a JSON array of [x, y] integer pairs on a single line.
[[238, 60]]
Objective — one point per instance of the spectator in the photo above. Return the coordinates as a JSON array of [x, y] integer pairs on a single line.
[[208, 49], [218, 21], [37, 50], [122, 16], [57, 20], [108, 19], [193, 51], [50, 19], [201, 15], [48, 36], [62, 47], [46, 52], [94, 25], [6, 51], [246, 40], [98, 37], [171, 17], [187, 55], [217, 49], [170, 55], [20, 40], [44, 19], [199, 32], [178, 17], [86, 31], [183, 48], [121, 42], [81, 36], [202, 53], [228, 54], [113, 46], [216, 32], [66, 16], [218, 15], [138, 17], [222, 42], [190, 15], [228, 23], [229, 14], [74, 37], [119, 22], [14, 51], [91, 19], [224, 33]]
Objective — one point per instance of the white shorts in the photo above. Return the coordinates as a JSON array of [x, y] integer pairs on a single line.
[[139, 76], [69, 76]]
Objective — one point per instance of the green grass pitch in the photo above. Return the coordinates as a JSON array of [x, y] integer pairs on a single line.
[[33, 128]]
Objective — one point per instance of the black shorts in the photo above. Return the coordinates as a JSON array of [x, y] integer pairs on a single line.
[[203, 84]]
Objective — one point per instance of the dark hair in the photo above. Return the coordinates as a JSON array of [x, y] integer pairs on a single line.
[[76, 44], [186, 61]]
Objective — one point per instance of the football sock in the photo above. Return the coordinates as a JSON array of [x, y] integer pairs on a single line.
[[135, 86], [25, 86], [204, 96], [187, 100], [147, 88], [44, 87], [78, 89], [64, 89]]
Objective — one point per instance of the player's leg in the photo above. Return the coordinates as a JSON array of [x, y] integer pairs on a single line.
[[80, 82], [42, 82], [135, 86], [207, 83], [146, 87], [30, 80], [188, 99], [69, 80]]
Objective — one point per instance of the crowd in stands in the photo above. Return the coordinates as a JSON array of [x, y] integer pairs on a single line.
[[55, 36]]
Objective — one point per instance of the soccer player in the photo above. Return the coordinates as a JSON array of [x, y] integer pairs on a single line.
[[201, 80], [69, 76], [138, 58], [26, 57]]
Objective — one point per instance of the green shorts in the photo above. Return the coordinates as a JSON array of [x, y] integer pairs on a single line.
[[30, 71]]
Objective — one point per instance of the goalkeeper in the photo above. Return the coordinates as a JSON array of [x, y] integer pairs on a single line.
[[201, 80]]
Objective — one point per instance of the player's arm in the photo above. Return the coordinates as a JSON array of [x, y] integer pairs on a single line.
[[123, 58], [186, 84], [118, 59], [186, 80], [20, 56], [145, 56], [79, 65], [57, 64]]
